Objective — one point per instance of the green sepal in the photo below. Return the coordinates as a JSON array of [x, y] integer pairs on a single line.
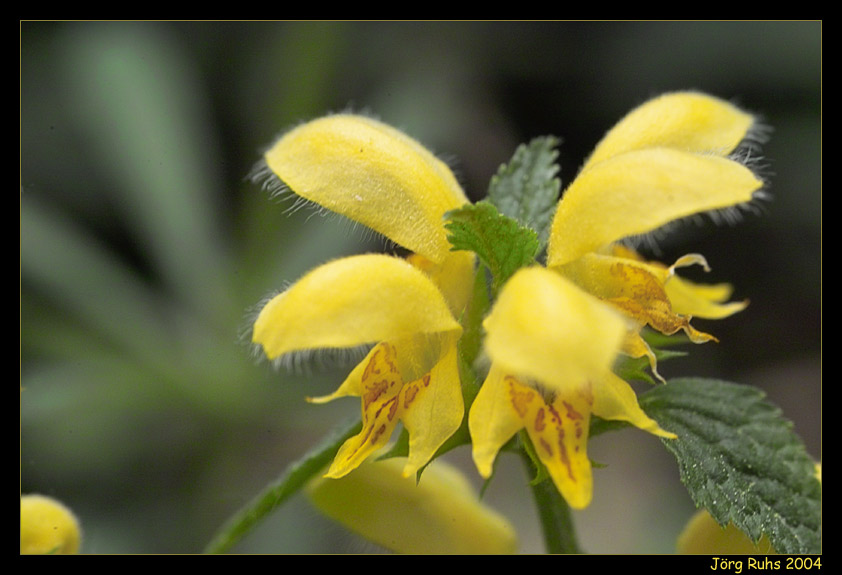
[[741, 460]]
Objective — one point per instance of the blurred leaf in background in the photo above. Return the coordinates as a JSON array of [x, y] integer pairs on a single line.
[[143, 246], [139, 260]]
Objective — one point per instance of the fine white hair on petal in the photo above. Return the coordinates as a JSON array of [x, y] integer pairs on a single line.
[[650, 240], [307, 361], [747, 153], [730, 216], [246, 331], [263, 176], [758, 134], [301, 362]]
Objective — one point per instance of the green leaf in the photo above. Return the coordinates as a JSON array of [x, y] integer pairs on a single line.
[[136, 101], [501, 243], [527, 189], [275, 494], [741, 460]]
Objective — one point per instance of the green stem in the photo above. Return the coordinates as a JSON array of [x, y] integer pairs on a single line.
[[554, 513]]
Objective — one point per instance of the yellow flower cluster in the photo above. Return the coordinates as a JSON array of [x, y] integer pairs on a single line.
[[553, 333]]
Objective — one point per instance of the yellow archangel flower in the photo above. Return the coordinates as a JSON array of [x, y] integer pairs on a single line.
[[377, 176], [552, 347], [668, 159], [551, 337]]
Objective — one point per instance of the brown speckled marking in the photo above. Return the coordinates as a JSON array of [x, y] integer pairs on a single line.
[[571, 411], [373, 391], [547, 447], [562, 448], [409, 393], [385, 397], [520, 400], [540, 425]]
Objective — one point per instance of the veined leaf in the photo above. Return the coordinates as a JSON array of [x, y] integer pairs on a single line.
[[527, 189], [741, 460]]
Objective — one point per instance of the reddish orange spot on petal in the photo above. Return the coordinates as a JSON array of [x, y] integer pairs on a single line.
[[571, 411], [409, 394], [539, 421], [547, 447], [520, 396]]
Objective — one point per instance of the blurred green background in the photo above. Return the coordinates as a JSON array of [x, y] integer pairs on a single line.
[[144, 249]]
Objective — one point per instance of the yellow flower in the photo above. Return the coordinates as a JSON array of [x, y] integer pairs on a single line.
[[667, 160], [47, 527], [552, 347], [442, 514], [551, 342], [383, 179]]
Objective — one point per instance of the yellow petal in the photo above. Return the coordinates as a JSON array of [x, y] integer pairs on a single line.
[[454, 277], [633, 287], [700, 300], [441, 514], [353, 384], [558, 428], [688, 298], [492, 421], [557, 425], [372, 174], [47, 527], [381, 389], [640, 191], [351, 301], [687, 121], [614, 399], [430, 405], [544, 328], [432, 413], [635, 346]]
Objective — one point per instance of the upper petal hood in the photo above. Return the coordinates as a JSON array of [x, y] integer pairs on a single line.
[[640, 191], [687, 121], [372, 174], [351, 301], [545, 328], [666, 160]]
